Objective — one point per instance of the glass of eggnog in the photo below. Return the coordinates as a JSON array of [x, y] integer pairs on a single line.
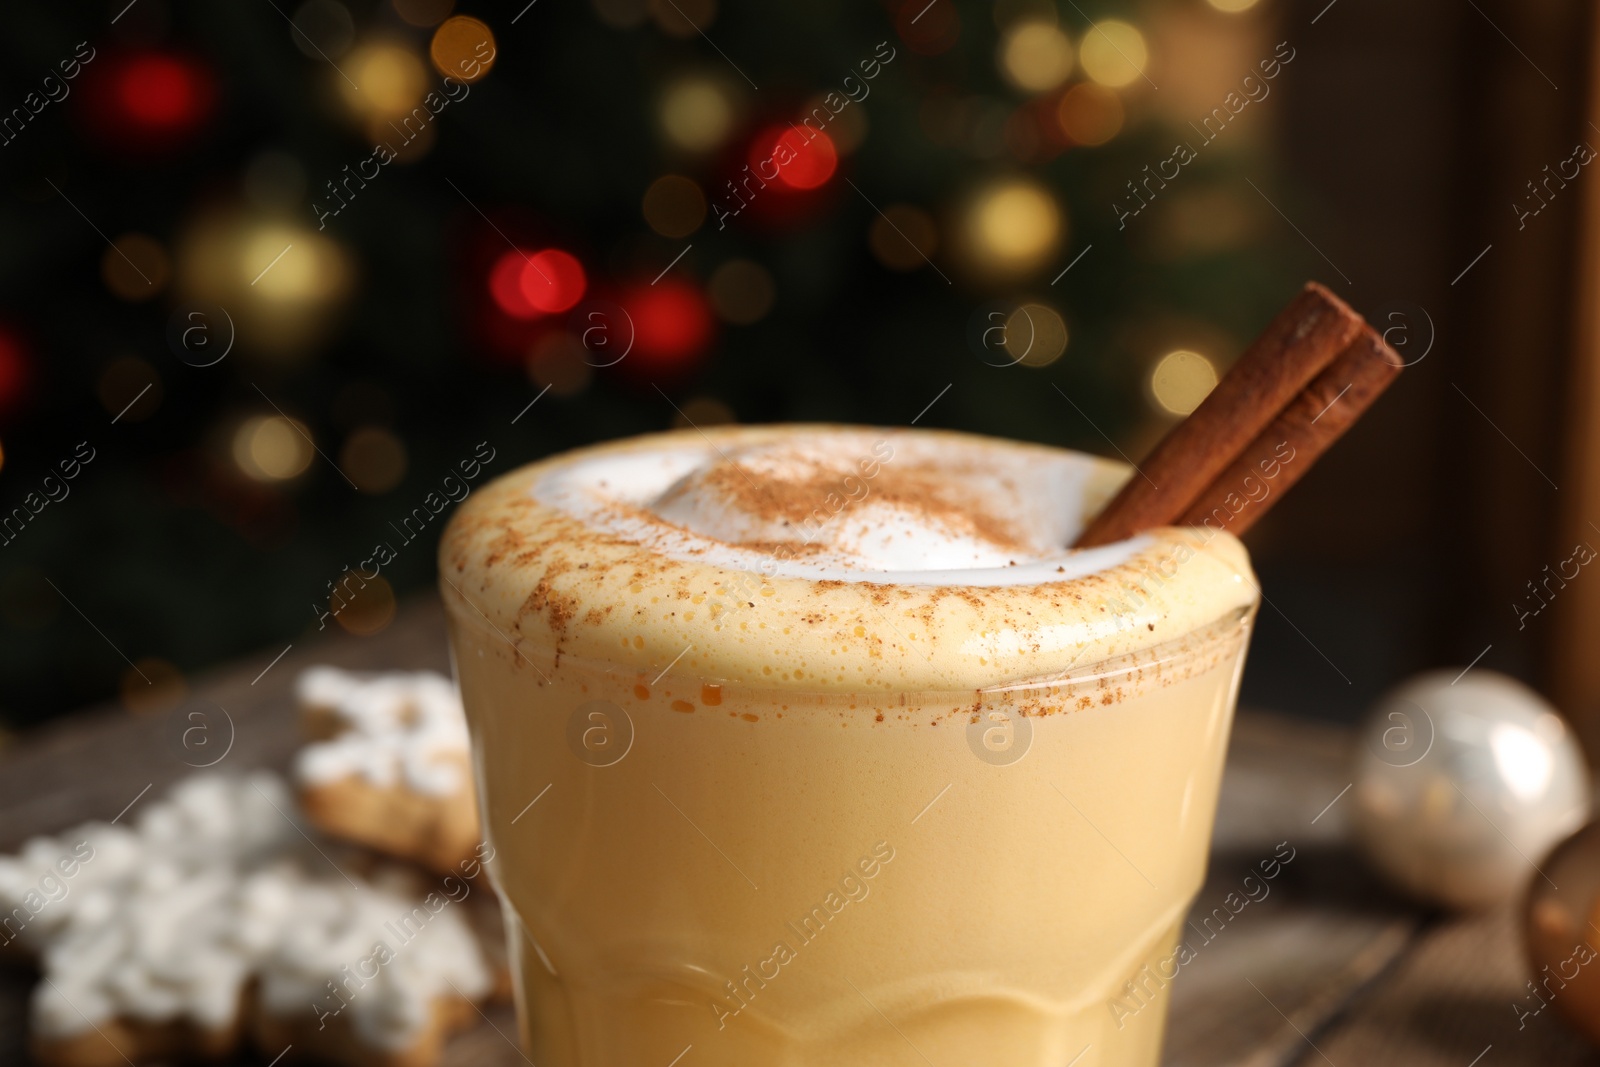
[[815, 746]]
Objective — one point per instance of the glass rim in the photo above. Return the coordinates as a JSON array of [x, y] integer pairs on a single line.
[[1097, 675]]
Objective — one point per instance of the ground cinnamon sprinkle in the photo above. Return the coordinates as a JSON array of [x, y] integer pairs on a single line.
[[816, 496]]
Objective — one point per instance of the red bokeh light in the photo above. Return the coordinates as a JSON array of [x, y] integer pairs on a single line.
[[148, 101], [505, 285], [526, 285], [162, 93], [803, 158], [672, 323], [552, 280]]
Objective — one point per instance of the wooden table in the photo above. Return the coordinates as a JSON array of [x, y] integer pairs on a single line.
[[1327, 969]]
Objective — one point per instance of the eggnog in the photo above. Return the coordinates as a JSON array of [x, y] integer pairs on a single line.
[[812, 746]]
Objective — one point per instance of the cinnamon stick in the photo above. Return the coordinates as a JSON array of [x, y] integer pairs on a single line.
[[1286, 450], [1298, 344]]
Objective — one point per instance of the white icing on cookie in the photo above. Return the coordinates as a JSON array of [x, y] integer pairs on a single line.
[[168, 920], [400, 729], [382, 952]]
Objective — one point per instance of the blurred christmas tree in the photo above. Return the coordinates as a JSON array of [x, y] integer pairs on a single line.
[[281, 270]]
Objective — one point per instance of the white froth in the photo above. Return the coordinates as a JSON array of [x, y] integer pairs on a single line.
[[668, 500]]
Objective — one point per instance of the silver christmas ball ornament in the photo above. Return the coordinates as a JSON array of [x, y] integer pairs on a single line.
[[1463, 783]]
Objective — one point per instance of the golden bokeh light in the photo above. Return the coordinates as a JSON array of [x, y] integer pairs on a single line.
[[741, 291], [129, 389], [271, 448], [696, 114], [423, 13], [560, 363], [363, 606], [1013, 227], [280, 283], [903, 238], [702, 411], [1090, 114], [463, 48], [1180, 380], [674, 206], [682, 18], [1233, 6], [374, 458], [391, 78], [1035, 335], [1035, 56], [152, 685], [135, 267], [283, 265], [1113, 53]]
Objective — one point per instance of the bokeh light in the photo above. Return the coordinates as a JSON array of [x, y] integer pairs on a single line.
[[1180, 380], [803, 157], [363, 606], [560, 363], [1090, 114], [682, 18], [741, 291], [129, 389], [135, 267], [1035, 56], [281, 283], [374, 458], [1013, 227], [463, 48], [269, 264], [155, 99], [271, 448], [505, 285], [903, 238], [392, 80], [1233, 6], [323, 29], [1035, 335], [674, 206], [1113, 53], [552, 280], [423, 13], [696, 114], [672, 322]]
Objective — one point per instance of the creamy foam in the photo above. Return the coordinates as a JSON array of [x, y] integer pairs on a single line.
[[846, 506], [877, 558]]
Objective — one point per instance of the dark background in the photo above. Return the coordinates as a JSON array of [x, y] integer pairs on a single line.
[[198, 139]]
